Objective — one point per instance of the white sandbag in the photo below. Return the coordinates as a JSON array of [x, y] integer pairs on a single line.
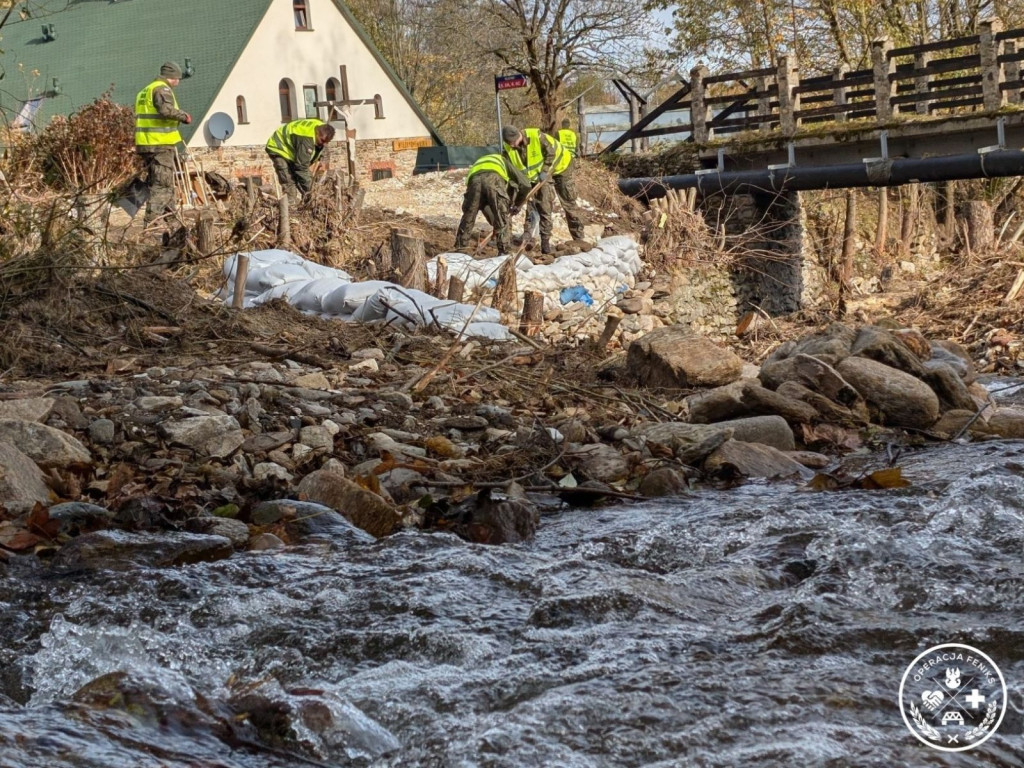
[[282, 291], [348, 298], [310, 297], [495, 331]]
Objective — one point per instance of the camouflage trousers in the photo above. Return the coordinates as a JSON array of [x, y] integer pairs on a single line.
[[564, 187], [486, 192], [160, 172], [286, 177]]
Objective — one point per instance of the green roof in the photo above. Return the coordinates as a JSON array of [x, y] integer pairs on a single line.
[[102, 45]]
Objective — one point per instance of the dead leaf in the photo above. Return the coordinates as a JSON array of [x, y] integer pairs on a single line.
[[369, 482], [18, 540], [121, 475], [39, 522], [885, 478]]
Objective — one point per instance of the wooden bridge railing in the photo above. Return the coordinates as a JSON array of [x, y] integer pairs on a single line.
[[979, 73]]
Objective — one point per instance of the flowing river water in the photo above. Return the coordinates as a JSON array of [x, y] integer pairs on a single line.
[[764, 625]]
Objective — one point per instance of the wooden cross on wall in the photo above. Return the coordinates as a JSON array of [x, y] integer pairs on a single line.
[[345, 101]]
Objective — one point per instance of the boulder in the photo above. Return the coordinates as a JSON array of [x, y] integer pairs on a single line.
[[698, 440], [954, 354], [915, 341], [123, 550], [952, 422], [27, 409], [664, 481], [738, 459], [810, 459], [767, 430], [676, 357], [814, 374], [364, 509], [884, 347], [235, 530], [21, 481], [297, 521], [214, 436], [901, 399], [1007, 422], [828, 410], [599, 462], [403, 485], [77, 517], [948, 385], [747, 398], [830, 346], [496, 520], [46, 446]]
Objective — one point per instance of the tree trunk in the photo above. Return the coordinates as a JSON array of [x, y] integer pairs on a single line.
[[456, 289], [409, 261], [533, 313], [981, 228], [909, 220], [204, 234], [284, 227], [506, 298], [883, 220], [241, 274]]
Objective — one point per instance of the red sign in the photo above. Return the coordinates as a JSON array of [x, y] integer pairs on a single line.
[[507, 82]]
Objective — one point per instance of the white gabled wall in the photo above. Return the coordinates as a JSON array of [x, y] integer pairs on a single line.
[[277, 50]]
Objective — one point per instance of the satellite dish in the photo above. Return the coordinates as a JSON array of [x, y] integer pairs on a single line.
[[221, 125]]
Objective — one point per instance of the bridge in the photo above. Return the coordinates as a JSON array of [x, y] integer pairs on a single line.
[[942, 111]]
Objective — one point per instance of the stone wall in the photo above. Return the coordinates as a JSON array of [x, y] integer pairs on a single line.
[[703, 297], [236, 163]]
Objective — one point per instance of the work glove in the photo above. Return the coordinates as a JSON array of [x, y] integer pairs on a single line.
[[542, 176], [188, 119]]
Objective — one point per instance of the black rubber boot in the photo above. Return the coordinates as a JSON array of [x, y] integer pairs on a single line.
[[545, 246]]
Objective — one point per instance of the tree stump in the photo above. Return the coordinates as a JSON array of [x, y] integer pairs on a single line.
[[981, 228], [408, 260], [441, 278], [456, 289], [241, 275], [611, 325], [533, 313], [506, 294], [204, 234]]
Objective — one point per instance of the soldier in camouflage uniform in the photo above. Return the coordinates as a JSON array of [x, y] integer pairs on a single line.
[[543, 158], [293, 148], [156, 138], [492, 186]]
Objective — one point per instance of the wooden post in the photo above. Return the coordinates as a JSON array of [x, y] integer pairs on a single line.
[[241, 275], [441, 277], [909, 219], [789, 101], [883, 220], [204, 234], [764, 103], [634, 144], [533, 313], [408, 260], [284, 227], [506, 294], [921, 61], [698, 108], [989, 49], [456, 289], [1011, 71], [981, 230], [885, 88], [611, 325], [839, 91]]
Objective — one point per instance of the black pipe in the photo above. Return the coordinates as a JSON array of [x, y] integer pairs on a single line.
[[879, 173]]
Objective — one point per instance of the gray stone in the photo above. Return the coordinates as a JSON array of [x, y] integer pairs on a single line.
[[664, 481], [947, 384], [366, 510], [298, 521], [831, 412], [378, 443], [952, 422], [265, 542], [27, 409], [768, 430], [21, 481], [102, 431], [736, 458], [954, 354], [67, 410], [465, 423], [901, 399], [885, 347], [676, 357], [76, 517], [810, 459], [403, 485], [1007, 422], [214, 436], [267, 470], [155, 403], [369, 353], [253, 412], [312, 381], [496, 415], [317, 437], [122, 550], [496, 520], [814, 374], [46, 446], [398, 399], [746, 397], [234, 530], [599, 462], [267, 441]]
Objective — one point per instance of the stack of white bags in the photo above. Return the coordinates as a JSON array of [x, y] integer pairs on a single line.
[[601, 273]]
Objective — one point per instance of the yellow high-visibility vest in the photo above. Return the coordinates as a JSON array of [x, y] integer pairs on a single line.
[[567, 138], [152, 130], [280, 143], [495, 163], [535, 157]]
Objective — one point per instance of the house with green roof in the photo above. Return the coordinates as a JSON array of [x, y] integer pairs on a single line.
[[249, 66]]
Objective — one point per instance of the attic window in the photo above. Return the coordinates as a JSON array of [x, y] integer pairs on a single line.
[[301, 14], [243, 113]]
